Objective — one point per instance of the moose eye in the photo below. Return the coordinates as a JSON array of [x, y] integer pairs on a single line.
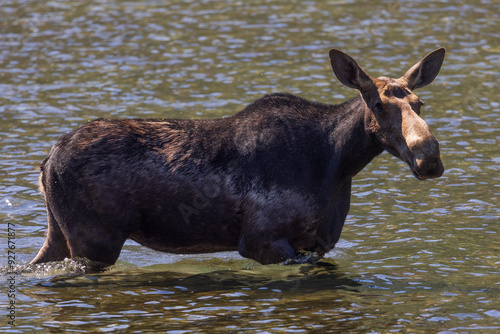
[[416, 106], [378, 107]]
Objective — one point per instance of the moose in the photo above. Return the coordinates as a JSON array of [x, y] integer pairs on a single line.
[[272, 181]]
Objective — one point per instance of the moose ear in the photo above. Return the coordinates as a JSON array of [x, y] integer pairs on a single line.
[[348, 71], [425, 71]]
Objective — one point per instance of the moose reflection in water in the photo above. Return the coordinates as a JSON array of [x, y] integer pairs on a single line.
[[272, 181]]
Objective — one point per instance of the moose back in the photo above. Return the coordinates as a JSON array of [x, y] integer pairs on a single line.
[[272, 181]]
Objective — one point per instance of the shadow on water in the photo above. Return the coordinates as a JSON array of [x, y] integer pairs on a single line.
[[193, 276], [209, 294]]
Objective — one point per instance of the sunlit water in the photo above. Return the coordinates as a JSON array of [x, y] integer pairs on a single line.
[[414, 257]]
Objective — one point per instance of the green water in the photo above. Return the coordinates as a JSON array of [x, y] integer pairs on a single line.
[[415, 256]]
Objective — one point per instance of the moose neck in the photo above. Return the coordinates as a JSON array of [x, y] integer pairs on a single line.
[[353, 146]]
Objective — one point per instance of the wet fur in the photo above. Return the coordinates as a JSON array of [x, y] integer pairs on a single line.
[[272, 181], [272, 172]]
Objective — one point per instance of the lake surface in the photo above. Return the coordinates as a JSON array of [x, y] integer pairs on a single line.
[[415, 256]]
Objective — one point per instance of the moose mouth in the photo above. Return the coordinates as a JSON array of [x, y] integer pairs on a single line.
[[424, 170]]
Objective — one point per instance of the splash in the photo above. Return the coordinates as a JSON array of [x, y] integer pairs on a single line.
[[43, 270]]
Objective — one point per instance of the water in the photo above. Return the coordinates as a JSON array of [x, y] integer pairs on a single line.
[[415, 256]]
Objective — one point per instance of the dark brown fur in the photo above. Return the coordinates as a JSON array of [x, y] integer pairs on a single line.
[[273, 181]]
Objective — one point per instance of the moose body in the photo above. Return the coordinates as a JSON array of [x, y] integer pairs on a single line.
[[272, 181]]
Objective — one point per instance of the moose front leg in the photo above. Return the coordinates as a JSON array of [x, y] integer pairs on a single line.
[[329, 230], [278, 226]]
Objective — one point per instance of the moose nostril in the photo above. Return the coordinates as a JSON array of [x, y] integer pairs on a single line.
[[427, 168], [419, 163]]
